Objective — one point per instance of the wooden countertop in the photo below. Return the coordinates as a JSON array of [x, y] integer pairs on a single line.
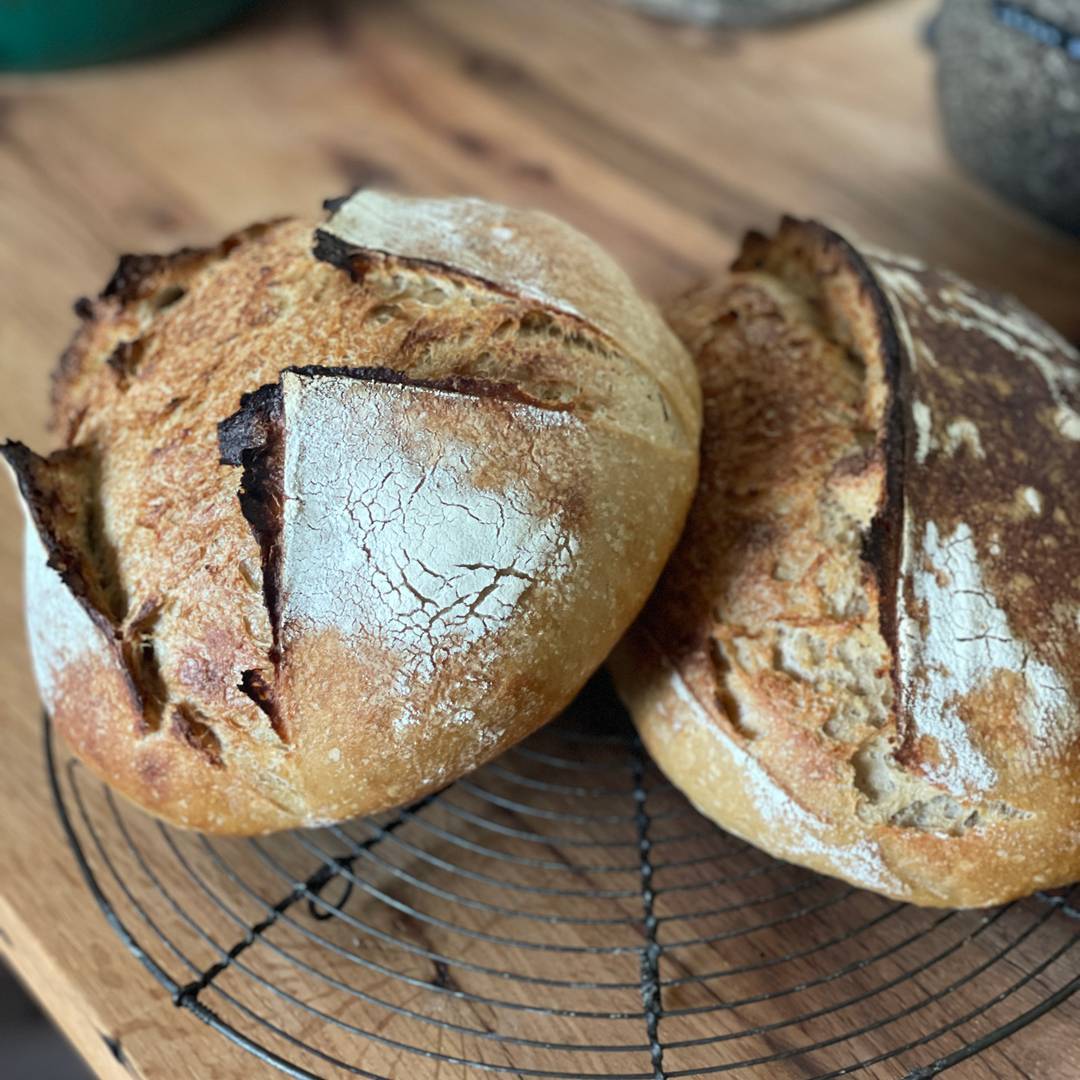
[[663, 143]]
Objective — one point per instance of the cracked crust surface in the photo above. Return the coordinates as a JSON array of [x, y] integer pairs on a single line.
[[862, 656], [334, 525]]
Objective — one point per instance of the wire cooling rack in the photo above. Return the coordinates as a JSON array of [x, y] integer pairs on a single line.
[[563, 912]]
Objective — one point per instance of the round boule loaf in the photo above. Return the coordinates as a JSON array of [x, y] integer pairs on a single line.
[[341, 512], [863, 655]]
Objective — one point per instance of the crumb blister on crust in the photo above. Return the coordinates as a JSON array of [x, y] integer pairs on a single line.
[[252, 669], [876, 597]]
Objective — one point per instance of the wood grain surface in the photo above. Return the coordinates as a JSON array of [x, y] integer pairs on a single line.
[[664, 144]]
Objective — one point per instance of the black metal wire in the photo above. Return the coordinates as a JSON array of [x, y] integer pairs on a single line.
[[468, 931]]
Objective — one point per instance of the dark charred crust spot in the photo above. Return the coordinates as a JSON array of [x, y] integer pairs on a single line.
[[254, 439], [357, 262], [332, 249], [135, 274], [247, 427], [163, 280], [257, 687], [189, 725], [124, 360], [755, 247]]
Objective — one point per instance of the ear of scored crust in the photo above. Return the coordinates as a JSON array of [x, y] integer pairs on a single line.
[[75, 612]]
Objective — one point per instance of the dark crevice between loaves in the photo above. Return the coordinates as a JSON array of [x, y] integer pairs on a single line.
[[125, 359], [136, 277], [189, 725]]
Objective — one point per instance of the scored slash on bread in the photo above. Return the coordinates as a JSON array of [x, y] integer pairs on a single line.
[[343, 511], [862, 656]]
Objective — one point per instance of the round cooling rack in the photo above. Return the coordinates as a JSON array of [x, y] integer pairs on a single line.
[[563, 912]]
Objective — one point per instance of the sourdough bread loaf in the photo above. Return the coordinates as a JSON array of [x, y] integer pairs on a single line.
[[863, 655], [341, 512]]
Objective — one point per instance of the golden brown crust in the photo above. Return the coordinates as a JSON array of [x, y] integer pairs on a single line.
[[569, 446], [860, 656]]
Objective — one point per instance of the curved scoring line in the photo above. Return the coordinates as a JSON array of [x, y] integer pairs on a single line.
[[236, 963], [857, 1032]]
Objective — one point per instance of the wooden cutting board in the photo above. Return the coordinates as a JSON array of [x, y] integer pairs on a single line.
[[663, 143]]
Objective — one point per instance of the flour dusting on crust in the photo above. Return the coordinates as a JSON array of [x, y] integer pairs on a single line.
[[387, 534], [956, 642]]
